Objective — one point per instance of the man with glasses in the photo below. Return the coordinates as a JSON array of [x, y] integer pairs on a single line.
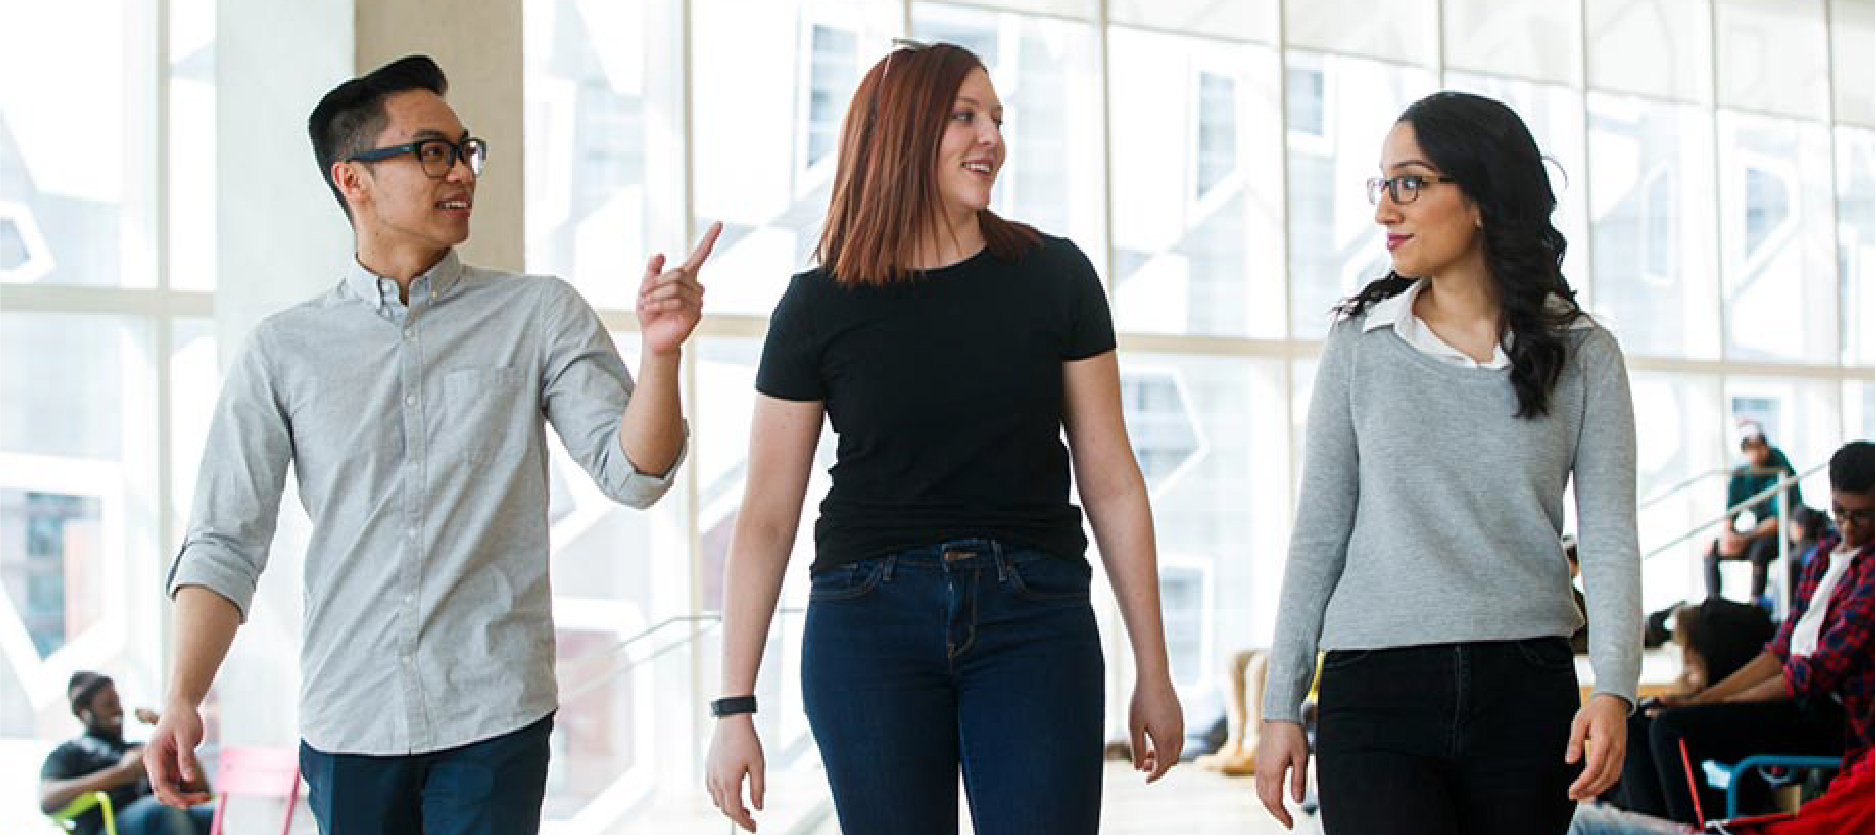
[[410, 400], [1808, 692]]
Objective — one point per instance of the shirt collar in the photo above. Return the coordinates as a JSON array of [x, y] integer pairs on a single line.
[[1399, 309], [1393, 309], [371, 288]]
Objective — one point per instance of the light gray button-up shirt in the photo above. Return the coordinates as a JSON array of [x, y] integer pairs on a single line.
[[417, 439]]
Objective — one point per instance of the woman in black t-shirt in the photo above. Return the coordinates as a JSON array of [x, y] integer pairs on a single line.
[[949, 626]]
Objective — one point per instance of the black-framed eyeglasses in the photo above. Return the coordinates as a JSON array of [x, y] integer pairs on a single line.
[[1403, 189], [437, 156], [1860, 515]]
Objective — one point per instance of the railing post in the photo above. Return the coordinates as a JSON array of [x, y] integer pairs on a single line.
[[1783, 604]]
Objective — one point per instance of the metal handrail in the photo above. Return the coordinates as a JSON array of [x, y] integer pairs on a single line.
[[1695, 479], [704, 621], [1680, 486], [589, 681], [1783, 484]]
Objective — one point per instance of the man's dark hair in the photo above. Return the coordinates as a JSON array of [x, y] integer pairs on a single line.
[[82, 686], [348, 119], [1850, 467]]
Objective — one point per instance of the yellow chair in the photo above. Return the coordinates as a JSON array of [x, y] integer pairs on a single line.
[[82, 804]]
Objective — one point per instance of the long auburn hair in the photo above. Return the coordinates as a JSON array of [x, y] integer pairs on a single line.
[[1483, 145], [885, 185]]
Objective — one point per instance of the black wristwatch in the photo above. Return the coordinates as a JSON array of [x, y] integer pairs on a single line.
[[732, 705]]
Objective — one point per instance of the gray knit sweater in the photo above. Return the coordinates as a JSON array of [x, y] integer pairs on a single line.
[[1429, 514]]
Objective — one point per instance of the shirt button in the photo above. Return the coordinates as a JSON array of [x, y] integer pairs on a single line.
[[410, 400], [410, 333], [407, 660]]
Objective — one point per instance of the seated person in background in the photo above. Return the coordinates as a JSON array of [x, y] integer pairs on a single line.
[[101, 760], [1809, 528], [1246, 672], [1807, 692], [1848, 805], [1579, 640], [1716, 638], [1765, 465]]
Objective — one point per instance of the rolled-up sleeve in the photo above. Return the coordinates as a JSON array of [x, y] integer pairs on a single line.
[[585, 387], [237, 493]]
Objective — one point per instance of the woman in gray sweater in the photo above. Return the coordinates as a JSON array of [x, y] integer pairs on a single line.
[[1455, 400]]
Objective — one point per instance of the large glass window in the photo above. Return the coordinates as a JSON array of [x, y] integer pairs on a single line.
[[605, 139], [1652, 218], [1658, 48], [1197, 208], [77, 509], [69, 172], [1340, 110], [1041, 67], [1856, 242], [1773, 57], [1776, 244], [1681, 456], [760, 137]]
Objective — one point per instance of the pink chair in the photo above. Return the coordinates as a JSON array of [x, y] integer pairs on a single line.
[[257, 772]]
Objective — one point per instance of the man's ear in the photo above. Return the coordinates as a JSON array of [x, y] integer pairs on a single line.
[[352, 181]]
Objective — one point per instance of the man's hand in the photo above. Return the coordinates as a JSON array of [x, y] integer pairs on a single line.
[[671, 301], [170, 757], [1732, 542]]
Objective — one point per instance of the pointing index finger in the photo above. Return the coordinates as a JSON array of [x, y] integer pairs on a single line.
[[707, 243]]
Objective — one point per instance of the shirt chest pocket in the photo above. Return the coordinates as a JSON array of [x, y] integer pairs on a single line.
[[481, 417]]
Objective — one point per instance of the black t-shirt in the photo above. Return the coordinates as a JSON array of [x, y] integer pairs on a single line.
[[946, 394], [85, 755]]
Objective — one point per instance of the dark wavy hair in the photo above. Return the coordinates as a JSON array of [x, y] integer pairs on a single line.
[[1486, 148]]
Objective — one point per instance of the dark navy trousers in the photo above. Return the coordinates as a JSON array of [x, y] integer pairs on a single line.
[[492, 787]]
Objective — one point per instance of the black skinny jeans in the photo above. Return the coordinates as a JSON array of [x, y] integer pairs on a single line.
[[1447, 738]]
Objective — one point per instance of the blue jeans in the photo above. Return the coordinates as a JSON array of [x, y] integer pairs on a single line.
[[1447, 738], [1597, 819], [492, 787], [969, 655], [148, 816]]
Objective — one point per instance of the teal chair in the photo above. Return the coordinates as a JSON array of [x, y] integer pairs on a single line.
[[1775, 770], [82, 804]]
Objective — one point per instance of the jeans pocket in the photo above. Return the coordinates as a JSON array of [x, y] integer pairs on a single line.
[[1551, 654], [845, 582], [1044, 578], [1339, 659]]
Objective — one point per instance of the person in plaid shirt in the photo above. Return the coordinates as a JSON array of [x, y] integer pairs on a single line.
[[1808, 692]]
